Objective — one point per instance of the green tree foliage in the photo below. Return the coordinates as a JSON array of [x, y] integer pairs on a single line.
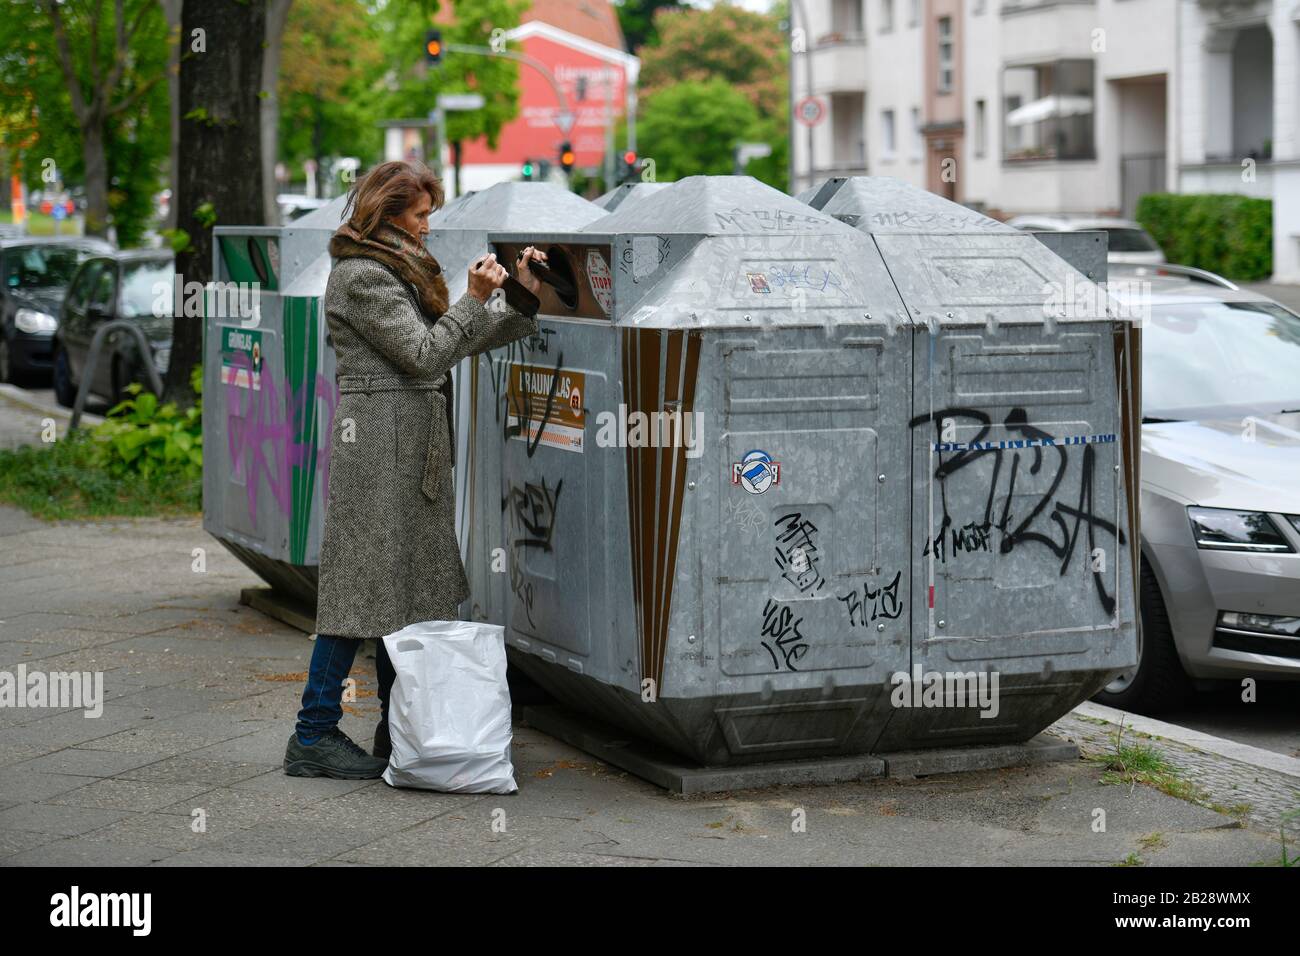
[[331, 70], [746, 49], [694, 79], [690, 129], [87, 79], [408, 88], [636, 17]]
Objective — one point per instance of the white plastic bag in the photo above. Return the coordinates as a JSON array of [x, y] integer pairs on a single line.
[[449, 713]]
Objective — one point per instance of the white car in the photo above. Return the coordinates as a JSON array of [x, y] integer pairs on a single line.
[[1220, 575], [1129, 242]]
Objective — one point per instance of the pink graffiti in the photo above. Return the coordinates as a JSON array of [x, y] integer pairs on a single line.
[[262, 428]]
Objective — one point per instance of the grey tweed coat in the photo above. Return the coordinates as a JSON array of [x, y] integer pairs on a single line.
[[389, 555]]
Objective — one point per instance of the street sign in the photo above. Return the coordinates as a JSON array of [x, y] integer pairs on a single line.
[[810, 111], [564, 120], [460, 101]]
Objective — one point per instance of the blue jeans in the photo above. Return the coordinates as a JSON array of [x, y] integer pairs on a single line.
[[322, 699]]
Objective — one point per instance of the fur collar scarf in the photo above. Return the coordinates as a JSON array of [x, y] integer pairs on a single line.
[[401, 252]]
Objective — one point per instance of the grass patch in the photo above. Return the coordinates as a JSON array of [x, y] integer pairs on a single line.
[[1142, 763], [1131, 860], [66, 479], [1153, 841]]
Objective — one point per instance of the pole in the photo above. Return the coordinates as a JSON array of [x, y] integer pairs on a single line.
[[808, 77], [455, 158], [609, 127]]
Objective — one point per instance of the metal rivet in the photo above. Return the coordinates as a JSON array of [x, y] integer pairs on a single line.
[[747, 318], [949, 315], [880, 627], [943, 623], [866, 315], [1117, 467], [691, 639], [690, 485], [880, 478]]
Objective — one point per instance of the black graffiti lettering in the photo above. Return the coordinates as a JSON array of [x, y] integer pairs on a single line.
[[780, 624], [882, 602], [797, 554], [1056, 535], [532, 511]]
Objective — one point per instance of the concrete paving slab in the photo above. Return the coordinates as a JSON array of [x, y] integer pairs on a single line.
[[63, 821], [134, 795], [88, 763], [83, 851]]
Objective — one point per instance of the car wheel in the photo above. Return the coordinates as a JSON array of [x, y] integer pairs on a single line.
[[1158, 683], [65, 389]]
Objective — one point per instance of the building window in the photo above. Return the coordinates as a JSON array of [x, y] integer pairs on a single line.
[[846, 19], [1047, 111], [917, 149], [981, 128], [887, 144], [913, 12], [945, 54], [886, 16]]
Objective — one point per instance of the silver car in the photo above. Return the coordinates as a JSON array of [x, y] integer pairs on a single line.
[[1220, 575], [1129, 243]]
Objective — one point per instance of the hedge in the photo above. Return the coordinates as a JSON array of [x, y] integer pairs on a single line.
[[1227, 234]]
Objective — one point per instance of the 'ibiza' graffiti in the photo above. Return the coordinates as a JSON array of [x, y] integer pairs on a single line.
[[269, 433], [868, 604], [1053, 522]]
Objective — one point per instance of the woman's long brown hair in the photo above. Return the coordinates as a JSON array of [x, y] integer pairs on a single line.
[[387, 191]]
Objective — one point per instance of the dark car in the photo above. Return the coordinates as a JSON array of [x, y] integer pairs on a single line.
[[136, 286], [35, 275]]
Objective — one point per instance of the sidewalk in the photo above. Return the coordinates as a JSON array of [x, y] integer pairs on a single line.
[[183, 767], [24, 415]]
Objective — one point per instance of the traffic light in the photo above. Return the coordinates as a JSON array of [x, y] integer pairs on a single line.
[[433, 47], [629, 166], [528, 171], [566, 156]]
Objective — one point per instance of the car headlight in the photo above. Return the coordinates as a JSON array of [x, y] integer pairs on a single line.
[[30, 320], [1222, 529]]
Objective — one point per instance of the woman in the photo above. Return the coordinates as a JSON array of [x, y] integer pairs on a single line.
[[389, 555]]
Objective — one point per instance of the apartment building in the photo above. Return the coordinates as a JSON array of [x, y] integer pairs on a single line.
[[1058, 106]]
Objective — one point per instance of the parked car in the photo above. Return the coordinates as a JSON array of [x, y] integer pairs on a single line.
[[1220, 500], [1129, 242], [136, 286], [36, 272]]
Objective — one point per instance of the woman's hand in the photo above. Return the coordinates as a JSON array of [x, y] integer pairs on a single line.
[[486, 276], [526, 278]]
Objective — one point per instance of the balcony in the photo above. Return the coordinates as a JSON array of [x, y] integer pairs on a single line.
[[839, 63]]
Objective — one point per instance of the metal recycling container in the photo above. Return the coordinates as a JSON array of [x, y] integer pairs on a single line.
[[269, 385], [759, 462], [269, 398], [627, 192]]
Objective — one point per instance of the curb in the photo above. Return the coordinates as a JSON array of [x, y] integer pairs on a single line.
[[18, 396], [1197, 740]]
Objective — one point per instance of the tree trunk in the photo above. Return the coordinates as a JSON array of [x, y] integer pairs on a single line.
[[96, 160], [172, 11], [277, 12], [219, 159]]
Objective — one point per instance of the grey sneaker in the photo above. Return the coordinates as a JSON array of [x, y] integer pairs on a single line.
[[333, 755]]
